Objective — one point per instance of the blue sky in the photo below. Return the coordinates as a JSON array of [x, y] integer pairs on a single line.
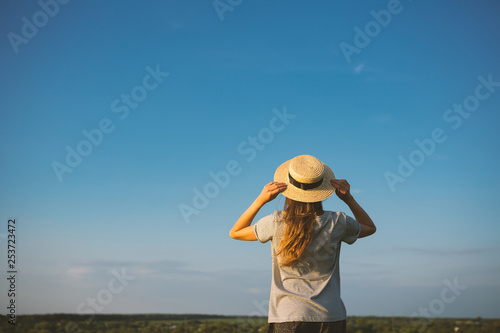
[[172, 92]]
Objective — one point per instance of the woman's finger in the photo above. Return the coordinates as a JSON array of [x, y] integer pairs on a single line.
[[341, 185], [339, 182], [275, 187], [279, 188], [336, 184]]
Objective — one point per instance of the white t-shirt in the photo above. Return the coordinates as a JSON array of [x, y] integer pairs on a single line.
[[308, 291]]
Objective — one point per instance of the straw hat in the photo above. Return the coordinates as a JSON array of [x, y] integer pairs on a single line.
[[308, 179]]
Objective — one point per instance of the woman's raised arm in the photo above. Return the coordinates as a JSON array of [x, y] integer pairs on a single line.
[[242, 229]]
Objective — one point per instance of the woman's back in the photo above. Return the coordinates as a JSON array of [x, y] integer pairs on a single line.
[[309, 290]]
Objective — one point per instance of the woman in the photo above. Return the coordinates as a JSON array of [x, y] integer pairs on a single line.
[[305, 242]]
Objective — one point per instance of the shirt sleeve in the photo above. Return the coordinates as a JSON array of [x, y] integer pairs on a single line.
[[264, 228], [352, 230]]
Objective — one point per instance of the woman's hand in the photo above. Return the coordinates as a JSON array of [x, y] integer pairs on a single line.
[[344, 193], [271, 191], [343, 189], [242, 229]]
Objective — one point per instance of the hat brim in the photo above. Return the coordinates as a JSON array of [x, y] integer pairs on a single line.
[[319, 193]]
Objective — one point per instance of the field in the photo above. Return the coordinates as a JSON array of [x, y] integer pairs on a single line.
[[153, 323]]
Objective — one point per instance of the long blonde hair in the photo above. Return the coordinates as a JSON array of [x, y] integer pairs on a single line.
[[298, 230]]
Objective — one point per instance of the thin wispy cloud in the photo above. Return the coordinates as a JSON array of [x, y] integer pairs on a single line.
[[158, 269], [383, 118], [256, 291], [441, 251], [92, 274]]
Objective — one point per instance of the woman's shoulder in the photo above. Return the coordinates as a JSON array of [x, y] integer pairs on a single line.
[[336, 213], [335, 216], [330, 213], [277, 215]]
